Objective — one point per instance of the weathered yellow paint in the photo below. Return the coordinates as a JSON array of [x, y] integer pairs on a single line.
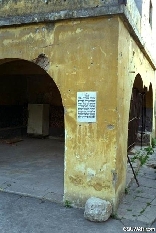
[[131, 62], [87, 55]]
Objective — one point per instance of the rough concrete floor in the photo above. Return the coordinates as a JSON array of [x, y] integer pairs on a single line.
[[33, 167], [139, 203], [19, 214]]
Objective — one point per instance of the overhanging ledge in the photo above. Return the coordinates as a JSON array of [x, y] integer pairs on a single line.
[[60, 15], [111, 10]]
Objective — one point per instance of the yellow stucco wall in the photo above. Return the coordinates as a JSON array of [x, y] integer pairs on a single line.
[[81, 55], [131, 62], [87, 55]]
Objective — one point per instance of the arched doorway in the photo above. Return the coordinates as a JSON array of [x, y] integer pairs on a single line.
[[140, 114], [31, 131]]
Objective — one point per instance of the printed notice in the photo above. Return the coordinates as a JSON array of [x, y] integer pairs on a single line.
[[86, 106]]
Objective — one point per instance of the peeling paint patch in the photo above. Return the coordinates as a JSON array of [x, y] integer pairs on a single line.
[[78, 30], [98, 186], [110, 127], [90, 173], [42, 61], [76, 180], [103, 51], [114, 180], [104, 167], [80, 168]]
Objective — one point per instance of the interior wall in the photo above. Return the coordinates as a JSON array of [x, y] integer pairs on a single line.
[[11, 87]]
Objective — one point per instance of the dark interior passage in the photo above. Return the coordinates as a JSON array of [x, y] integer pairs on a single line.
[[140, 114], [31, 105], [24, 83]]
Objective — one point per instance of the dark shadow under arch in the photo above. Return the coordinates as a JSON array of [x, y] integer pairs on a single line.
[[23, 83], [140, 114], [149, 109]]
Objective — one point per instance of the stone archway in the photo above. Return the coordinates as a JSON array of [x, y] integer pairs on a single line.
[[24, 84], [140, 114], [136, 111]]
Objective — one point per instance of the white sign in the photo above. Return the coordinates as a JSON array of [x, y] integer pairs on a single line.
[[86, 106]]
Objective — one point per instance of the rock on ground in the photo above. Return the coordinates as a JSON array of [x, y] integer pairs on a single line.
[[97, 210]]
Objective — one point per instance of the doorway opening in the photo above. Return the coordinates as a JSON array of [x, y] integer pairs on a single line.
[[139, 126], [31, 131], [140, 114]]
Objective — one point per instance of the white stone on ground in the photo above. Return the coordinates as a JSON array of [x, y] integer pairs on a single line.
[[97, 210]]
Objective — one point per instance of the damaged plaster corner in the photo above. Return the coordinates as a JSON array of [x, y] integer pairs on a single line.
[[115, 177], [42, 61]]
